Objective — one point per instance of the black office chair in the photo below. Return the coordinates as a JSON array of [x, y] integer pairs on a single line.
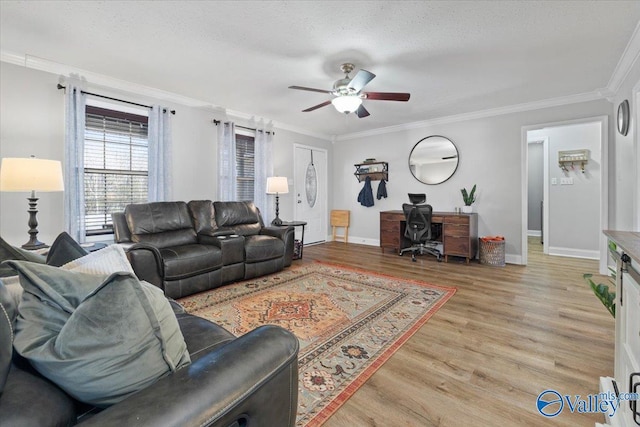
[[418, 228]]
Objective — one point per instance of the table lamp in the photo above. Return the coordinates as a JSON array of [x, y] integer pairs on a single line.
[[277, 185], [31, 174]]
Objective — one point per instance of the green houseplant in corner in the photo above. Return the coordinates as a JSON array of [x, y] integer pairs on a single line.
[[468, 199], [606, 297]]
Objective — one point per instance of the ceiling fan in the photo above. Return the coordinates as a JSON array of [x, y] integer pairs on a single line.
[[348, 92]]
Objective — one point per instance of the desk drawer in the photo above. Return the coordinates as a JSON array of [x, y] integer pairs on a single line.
[[456, 246], [393, 226], [456, 230], [456, 219]]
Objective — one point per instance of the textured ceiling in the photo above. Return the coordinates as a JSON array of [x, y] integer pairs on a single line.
[[453, 57]]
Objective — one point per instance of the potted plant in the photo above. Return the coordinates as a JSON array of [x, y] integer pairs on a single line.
[[468, 199]]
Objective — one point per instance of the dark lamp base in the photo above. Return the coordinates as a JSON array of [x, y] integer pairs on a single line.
[[276, 221]]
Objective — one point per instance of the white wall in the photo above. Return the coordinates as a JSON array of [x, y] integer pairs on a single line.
[[624, 157], [490, 156], [32, 122]]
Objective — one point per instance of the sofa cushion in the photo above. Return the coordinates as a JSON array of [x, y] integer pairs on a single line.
[[262, 248], [161, 224], [99, 338], [190, 260], [202, 215], [243, 218]]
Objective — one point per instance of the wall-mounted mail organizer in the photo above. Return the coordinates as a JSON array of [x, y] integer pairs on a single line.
[[568, 160]]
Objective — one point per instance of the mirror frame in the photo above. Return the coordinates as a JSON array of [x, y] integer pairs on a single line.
[[450, 175]]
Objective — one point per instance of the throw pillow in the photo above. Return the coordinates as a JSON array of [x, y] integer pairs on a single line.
[[100, 338], [105, 261], [8, 252], [63, 250]]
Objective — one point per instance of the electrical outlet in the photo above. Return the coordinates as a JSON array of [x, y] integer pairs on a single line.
[[554, 181]]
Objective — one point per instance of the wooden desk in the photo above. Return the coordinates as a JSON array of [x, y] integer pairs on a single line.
[[459, 232]]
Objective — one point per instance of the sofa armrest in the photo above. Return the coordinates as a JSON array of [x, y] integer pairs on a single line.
[[279, 232], [286, 234], [147, 263], [254, 378]]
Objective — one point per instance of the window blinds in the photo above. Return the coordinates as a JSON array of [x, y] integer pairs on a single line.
[[245, 163], [115, 165]]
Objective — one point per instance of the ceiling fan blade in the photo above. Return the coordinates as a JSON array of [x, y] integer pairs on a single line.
[[360, 80], [315, 107], [362, 112], [387, 96], [310, 89]]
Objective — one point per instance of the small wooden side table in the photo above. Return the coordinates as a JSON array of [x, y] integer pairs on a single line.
[[302, 224]]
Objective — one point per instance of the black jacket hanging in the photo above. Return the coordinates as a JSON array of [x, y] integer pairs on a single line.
[[382, 190], [365, 197]]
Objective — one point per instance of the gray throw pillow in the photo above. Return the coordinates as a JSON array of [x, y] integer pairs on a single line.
[[100, 338], [63, 250], [8, 252]]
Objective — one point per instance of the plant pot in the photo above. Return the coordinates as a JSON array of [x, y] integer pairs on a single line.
[[467, 209]]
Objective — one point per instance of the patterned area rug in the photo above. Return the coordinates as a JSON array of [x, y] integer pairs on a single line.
[[349, 322]]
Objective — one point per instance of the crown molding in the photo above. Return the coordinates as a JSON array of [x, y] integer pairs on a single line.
[[536, 105], [95, 79], [626, 62], [110, 83]]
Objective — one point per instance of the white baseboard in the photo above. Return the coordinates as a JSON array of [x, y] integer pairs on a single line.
[[534, 233], [574, 253], [362, 241], [513, 259]]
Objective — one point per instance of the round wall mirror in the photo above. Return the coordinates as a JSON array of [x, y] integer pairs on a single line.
[[433, 160]]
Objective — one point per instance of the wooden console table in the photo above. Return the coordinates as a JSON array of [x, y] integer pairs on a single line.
[[459, 232]]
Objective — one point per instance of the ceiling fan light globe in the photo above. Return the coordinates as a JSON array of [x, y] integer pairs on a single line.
[[346, 104]]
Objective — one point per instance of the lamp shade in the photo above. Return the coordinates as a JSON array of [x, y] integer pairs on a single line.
[[277, 185], [30, 174], [347, 103]]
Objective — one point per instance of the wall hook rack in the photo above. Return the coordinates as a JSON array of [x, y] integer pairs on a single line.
[[573, 157]]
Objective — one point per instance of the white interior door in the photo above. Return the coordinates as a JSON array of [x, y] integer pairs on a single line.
[[310, 191]]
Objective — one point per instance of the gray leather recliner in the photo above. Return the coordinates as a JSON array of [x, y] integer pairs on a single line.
[[185, 248]]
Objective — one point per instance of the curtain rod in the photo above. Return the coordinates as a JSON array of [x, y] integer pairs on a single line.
[[164, 110], [217, 122]]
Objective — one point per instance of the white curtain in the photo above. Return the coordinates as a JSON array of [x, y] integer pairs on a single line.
[[74, 211], [263, 169], [227, 172], [160, 169]]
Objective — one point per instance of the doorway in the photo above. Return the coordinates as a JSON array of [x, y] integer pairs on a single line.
[[575, 199], [310, 191]]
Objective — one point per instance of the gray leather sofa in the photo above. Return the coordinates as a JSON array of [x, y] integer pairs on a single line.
[[249, 381], [185, 248]]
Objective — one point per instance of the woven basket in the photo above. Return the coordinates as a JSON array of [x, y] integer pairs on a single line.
[[492, 252]]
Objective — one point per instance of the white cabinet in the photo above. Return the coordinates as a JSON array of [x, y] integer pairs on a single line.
[[627, 342], [627, 358]]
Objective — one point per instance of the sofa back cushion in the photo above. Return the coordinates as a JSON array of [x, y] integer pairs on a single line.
[[161, 224], [241, 217], [202, 215]]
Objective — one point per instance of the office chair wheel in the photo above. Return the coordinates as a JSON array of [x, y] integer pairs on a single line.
[[413, 258]]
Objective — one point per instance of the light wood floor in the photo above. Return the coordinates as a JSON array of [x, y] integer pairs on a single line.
[[508, 334]]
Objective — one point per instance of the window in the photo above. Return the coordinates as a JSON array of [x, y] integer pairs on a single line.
[[115, 165], [245, 165]]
